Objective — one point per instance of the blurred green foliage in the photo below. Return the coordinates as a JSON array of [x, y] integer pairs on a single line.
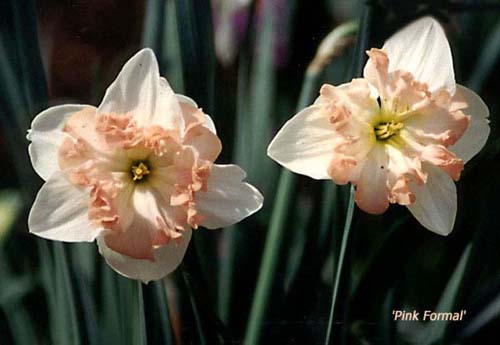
[[271, 276]]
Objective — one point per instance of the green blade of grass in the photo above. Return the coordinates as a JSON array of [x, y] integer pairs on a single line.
[[152, 33], [131, 309], [210, 327], [171, 52], [20, 324], [340, 264], [67, 325], [241, 156], [14, 119], [10, 207], [12, 291], [140, 335], [282, 205], [194, 20], [261, 104], [487, 59], [298, 232], [196, 41], [28, 53], [200, 327], [110, 315], [162, 305], [49, 286], [488, 313], [359, 58], [83, 263], [435, 331]]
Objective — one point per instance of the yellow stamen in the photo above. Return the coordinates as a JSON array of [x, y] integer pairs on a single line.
[[139, 171], [385, 130]]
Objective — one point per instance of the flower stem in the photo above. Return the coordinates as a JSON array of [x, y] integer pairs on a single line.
[[340, 262], [283, 203], [270, 259], [362, 44]]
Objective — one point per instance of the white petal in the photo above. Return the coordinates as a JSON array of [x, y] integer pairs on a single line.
[[139, 90], [228, 199], [477, 133], [167, 258], [371, 187], [436, 201], [60, 212], [305, 143], [421, 48], [209, 123], [168, 113], [46, 135]]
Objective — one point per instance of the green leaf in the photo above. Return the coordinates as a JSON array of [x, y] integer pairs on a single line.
[[285, 198], [261, 102], [194, 20], [340, 262], [232, 235], [152, 33], [10, 207], [298, 232], [488, 313], [131, 309], [486, 60], [162, 305], [20, 324], [111, 317], [67, 325], [28, 53], [171, 52], [434, 332]]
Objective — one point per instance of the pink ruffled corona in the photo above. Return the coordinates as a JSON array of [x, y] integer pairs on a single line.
[[387, 142], [171, 165]]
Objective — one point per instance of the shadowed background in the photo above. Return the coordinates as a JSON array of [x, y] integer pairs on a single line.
[[244, 62]]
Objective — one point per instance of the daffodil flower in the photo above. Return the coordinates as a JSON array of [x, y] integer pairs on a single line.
[[400, 135], [137, 174]]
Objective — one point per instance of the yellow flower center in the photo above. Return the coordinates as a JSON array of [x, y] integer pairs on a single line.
[[139, 171], [385, 130]]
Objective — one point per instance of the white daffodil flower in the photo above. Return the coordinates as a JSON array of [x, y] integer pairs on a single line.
[[400, 135], [136, 173]]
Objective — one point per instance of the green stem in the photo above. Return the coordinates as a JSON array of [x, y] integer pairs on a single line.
[[265, 280], [67, 321], [284, 197], [153, 20], [282, 205], [340, 262], [194, 20], [362, 44]]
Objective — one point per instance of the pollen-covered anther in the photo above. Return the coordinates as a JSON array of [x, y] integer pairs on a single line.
[[385, 130], [139, 171]]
